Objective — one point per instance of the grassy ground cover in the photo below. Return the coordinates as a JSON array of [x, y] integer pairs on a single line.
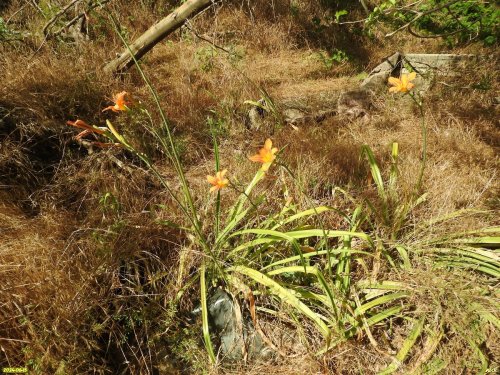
[[348, 246]]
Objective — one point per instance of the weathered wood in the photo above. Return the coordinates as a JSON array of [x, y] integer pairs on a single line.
[[155, 34]]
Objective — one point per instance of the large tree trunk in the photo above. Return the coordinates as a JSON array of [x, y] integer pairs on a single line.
[[155, 34]]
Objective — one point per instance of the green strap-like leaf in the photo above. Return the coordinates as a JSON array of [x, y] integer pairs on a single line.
[[273, 233], [351, 332], [284, 294], [379, 301], [405, 349], [332, 302], [313, 254], [204, 315], [385, 285], [306, 233], [377, 176], [306, 213]]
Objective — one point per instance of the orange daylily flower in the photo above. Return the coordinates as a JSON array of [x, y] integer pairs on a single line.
[[402, 85], [266, 155], [218, 181], [88, 129], [120, 103]]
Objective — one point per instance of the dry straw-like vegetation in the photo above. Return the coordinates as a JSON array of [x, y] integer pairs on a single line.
[[352, 268]]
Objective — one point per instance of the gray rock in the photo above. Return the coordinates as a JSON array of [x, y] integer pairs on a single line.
[[294, 116], [257, 114], [448, 64], [426, 65], [380, 74], [238, 338]]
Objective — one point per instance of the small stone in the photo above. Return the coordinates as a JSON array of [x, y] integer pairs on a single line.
[[256, 115], [294, 116], [238, 337]]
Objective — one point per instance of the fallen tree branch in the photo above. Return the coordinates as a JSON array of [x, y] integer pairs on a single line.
[[155, 34]]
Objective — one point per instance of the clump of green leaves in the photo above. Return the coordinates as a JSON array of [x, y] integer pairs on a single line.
[[334, 57], [456, 21]]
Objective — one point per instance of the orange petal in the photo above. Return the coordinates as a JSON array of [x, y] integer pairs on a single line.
[[256, 158], [263, 152], [111, 107], [82, 134], [120, 102], [221, 174], [212, 179], [268, 144], [412, 76], [120, 95], [83, 125], [394, 81], [214, 188], [394, 89], [79, 124]]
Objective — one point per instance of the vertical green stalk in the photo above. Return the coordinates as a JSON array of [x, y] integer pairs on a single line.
[[170, 148], [217, 169], [392, 191], [343, 279], [329, 255], [204, 314], [393, 176], [344, 267]]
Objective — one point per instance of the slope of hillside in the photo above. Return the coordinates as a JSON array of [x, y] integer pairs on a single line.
[[338, 258]]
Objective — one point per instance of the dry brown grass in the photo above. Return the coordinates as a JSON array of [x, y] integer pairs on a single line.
[[74, 272], [43, 304]]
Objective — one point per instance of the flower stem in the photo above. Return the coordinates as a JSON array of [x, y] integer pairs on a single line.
[[169, 146]]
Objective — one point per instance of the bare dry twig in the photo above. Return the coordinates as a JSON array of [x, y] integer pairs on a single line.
[[57, 15], [71, 22], [422, 14]]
